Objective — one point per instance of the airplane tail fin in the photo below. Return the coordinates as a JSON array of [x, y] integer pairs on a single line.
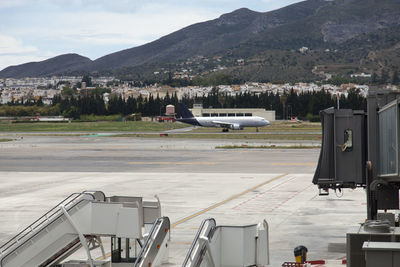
[[184, 111]]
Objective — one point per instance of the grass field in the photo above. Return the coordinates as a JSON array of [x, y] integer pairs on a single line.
[[276, 131], [277, 126], [266, 147], [107, 126], [259, 136]]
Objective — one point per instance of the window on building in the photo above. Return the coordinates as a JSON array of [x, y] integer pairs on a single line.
[[222, 114], [206, 115], [214, 115], [239, 114], [248, 114], [231, 114]]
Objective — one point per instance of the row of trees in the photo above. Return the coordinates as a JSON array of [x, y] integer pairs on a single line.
[[288, 104], [385, 78]]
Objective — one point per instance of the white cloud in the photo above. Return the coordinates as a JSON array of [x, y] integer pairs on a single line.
[[105, 28], [37, 29], [11, 60], [10, 45], [14, 52], [11, 3]]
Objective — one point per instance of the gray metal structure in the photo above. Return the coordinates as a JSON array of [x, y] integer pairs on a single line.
[[343, 152], [382, 254], [234, 246], [80, 221], [363, 150]]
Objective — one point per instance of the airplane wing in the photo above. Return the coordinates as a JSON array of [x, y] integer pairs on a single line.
[[230, 125], [223, 124]]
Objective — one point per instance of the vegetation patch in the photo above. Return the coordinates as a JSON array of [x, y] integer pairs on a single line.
[[265, 147], [91, 117], [6, 140], [228, 136], [108, 126], [277, 126]]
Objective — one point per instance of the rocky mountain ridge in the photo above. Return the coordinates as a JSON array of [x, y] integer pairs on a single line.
[[319, 25]]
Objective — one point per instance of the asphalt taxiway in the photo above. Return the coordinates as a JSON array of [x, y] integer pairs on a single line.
[[193, 180]]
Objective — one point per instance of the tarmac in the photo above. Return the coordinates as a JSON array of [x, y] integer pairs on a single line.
[[193, 180]]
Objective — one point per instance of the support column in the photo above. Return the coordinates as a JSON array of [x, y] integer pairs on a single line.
[[82, 239]]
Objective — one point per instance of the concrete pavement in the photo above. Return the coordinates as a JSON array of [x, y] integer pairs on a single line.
[[193, 183]]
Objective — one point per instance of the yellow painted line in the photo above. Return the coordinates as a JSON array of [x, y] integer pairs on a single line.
[[171, 163], [226, 200], [293, 163], [214, 206], [103, 258]]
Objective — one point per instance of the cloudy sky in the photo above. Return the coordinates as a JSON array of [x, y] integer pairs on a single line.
[[34, 30]]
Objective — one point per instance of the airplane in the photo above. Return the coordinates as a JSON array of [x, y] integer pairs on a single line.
[[226, 123]]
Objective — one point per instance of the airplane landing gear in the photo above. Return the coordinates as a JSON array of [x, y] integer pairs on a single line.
[[224, 130]]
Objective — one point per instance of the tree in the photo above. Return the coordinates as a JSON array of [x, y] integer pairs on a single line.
[[72, 112], [87, 80], [39, 102], [68, 91], [395, 78], [374, 78], [384, 77]]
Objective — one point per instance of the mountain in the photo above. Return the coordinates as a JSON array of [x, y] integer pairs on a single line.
[[52, 66], [258, 46]]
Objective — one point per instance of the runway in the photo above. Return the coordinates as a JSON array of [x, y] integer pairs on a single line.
[[113, 154], [193, 180]]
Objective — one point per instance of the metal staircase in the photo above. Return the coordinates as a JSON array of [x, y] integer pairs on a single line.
[[155, 247], [79, 221], [229, 246]]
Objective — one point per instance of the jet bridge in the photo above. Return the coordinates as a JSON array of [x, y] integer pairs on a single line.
[[362, 149], [233, 246], [79, 221]]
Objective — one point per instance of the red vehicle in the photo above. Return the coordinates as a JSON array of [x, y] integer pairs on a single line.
[[165, 118]]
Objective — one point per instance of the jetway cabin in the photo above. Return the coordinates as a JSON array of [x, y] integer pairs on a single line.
[[362, 149]]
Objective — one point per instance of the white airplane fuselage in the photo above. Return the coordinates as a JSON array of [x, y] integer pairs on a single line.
[[241, 121], [226, 122]]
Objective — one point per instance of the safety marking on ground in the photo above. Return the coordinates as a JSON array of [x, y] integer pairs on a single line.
[[171, 163], [293, 163], [263, 193], [290, 198], [226, 200], [215, 206]]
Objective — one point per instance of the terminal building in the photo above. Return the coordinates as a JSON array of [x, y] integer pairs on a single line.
[[199, 111]]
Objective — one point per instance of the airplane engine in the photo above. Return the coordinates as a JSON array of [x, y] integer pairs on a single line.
[[236, 127]]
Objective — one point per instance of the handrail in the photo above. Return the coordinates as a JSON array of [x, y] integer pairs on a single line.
[[47, 217], [196, 238], [149, 238], [266, 227]]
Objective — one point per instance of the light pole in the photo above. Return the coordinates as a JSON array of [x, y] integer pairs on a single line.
[[337, 100]]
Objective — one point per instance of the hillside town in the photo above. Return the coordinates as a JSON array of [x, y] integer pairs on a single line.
[[17, 90]]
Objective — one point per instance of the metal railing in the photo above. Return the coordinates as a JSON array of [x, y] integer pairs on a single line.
[[157, 234], [205, 229], [47, 218]]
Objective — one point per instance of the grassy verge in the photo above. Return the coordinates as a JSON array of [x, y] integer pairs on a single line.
[[105, 126], [92, 118], [229, 136], [274, 127], [5, 140], [266, 147]]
